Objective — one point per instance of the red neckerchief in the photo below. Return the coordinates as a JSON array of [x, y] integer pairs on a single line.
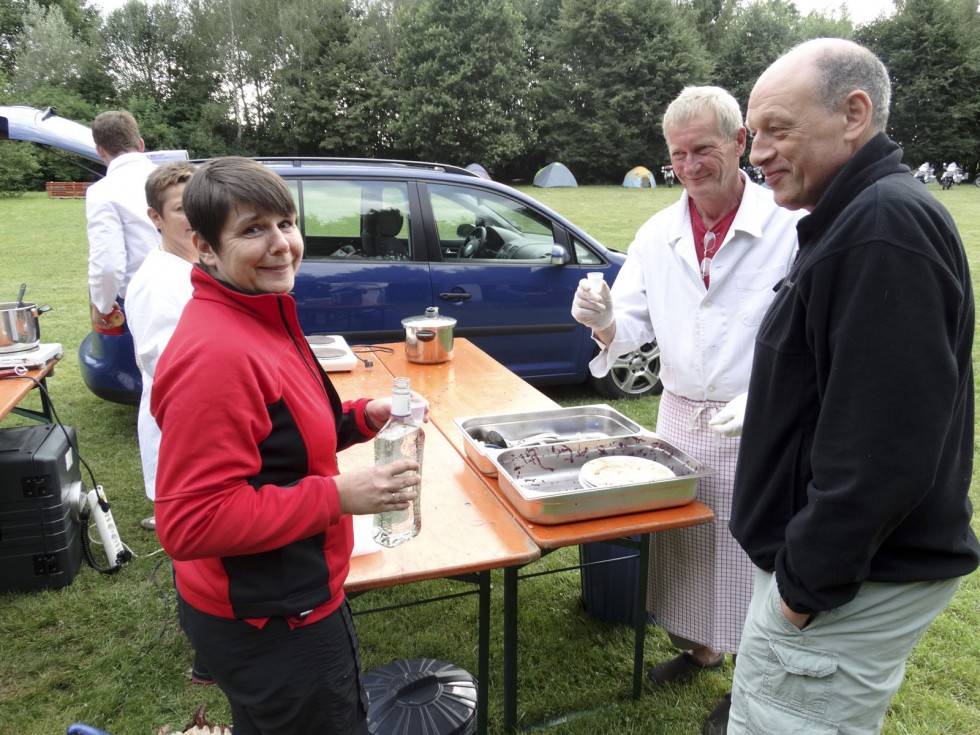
[[720, 229]]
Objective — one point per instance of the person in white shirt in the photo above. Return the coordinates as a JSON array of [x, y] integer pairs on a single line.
[[120, 233], [157, 295], [158, 292], [698, 278]]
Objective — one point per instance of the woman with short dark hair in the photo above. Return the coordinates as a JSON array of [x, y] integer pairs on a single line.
[[250, 501]]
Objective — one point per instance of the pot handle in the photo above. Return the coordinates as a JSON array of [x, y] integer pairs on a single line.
[[425, 335]]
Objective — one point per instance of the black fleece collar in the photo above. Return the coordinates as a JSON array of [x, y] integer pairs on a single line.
[[879, 157]]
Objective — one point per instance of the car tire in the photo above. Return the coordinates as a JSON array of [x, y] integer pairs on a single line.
[[634, 375]]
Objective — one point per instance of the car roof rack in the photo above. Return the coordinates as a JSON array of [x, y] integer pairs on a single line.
[[301, 161]]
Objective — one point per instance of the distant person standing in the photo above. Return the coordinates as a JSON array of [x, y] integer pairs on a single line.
[[120, 232]]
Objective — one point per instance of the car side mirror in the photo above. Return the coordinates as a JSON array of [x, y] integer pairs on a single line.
[[559, 255]]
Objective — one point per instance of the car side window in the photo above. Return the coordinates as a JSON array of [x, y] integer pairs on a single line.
[[364, 220], [477, 226], [583, 255]]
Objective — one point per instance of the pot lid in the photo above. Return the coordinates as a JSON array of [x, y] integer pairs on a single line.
[[431, 318]]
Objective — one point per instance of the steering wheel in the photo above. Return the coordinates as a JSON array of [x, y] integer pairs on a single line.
[[474, 242]]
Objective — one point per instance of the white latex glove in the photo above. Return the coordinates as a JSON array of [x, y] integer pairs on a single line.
[[728, 421], [593, 309]]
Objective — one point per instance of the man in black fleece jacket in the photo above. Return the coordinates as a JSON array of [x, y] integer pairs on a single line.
[[851, 492]]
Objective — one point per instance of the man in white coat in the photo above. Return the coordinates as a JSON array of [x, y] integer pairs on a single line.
[[698, 278], [120, 233]]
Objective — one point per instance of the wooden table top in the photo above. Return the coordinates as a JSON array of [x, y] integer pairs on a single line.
[[464, 527], [474, 384], [14, 388]]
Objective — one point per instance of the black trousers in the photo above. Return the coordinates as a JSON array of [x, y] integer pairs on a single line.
[[304, 681]]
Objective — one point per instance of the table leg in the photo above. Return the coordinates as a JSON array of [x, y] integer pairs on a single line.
[[510, 649], [45, 415], [45, 402], [483, 665], [640, 615]]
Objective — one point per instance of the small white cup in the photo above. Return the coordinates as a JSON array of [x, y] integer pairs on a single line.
[[418, 406], [595, 281]]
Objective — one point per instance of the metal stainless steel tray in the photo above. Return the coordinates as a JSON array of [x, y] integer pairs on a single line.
[[543, 481], [572, 423]]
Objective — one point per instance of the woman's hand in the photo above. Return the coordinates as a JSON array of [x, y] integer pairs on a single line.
[[378, 410], [386, 487]]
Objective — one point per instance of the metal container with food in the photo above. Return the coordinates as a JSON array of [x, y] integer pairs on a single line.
[[486, 436], [18, 326], [429, 338], [548, 484]]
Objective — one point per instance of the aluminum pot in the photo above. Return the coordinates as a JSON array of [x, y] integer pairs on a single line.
[[429, 338], [18, 327]]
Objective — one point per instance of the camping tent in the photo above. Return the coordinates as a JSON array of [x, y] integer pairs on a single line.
[[554, 174], [479, 171], [640, 177]]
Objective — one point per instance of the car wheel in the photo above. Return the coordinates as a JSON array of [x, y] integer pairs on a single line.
[[632, 376]]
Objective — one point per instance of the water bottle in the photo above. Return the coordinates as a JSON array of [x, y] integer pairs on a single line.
[[400, 438]]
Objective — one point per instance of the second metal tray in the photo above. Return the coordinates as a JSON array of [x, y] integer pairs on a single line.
[[571, 423]]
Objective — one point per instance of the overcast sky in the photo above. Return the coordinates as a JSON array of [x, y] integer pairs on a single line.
[[861, 10]]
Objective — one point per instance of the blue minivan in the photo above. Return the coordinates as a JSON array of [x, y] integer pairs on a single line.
[[387, 239]]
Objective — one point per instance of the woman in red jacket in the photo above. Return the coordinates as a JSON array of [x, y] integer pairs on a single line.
[[250, 502]]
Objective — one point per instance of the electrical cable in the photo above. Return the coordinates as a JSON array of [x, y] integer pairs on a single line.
[[369, 350], [165, 598]]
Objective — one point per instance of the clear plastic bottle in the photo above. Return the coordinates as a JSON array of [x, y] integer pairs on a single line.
[[400, 438]]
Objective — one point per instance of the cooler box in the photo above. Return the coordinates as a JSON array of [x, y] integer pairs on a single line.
[[609, 590], [40, 540]]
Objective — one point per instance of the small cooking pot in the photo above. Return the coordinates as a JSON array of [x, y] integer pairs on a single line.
[[429, 338], [18, 327]]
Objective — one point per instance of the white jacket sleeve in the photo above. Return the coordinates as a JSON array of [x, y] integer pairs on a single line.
[[106, 251]]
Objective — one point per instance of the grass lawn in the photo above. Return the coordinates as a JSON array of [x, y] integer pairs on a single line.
[[107, 651]]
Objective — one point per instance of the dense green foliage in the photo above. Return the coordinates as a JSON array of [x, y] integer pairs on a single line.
[[511, 84]]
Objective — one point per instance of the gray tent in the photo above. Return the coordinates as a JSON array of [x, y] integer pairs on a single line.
[[554, 174]]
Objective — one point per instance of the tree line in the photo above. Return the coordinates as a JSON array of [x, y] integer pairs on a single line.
[[509, 84]]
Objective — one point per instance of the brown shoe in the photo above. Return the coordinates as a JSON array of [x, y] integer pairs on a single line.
[[717, 722], [681, 668], [149, 524]]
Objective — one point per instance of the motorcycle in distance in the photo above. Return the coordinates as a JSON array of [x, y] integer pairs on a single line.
[[668, 172], [925, 173], [952, 174]]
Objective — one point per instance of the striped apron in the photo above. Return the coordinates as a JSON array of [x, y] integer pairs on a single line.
[[700, 580]]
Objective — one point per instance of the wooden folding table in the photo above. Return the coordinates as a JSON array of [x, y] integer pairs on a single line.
[[474, 384]]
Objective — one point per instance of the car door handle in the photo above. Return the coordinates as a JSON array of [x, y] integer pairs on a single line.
[[455, 296]]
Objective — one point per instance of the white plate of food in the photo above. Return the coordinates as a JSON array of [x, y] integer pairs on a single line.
[[616, 470]]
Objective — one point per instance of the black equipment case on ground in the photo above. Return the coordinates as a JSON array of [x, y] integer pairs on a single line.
[[40, 538]]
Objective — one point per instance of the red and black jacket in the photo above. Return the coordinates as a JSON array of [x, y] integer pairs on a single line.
[[246, 503]]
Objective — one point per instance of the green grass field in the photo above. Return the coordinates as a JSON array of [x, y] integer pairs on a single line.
[[107, 651]]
